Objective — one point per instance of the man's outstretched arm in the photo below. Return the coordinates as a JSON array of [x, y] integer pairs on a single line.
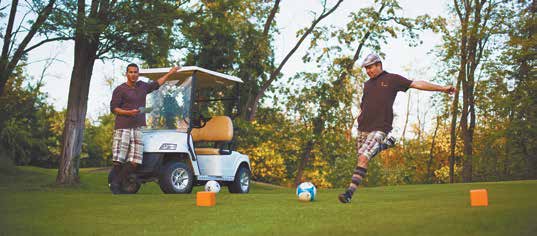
[[163, 79], [423, 85]]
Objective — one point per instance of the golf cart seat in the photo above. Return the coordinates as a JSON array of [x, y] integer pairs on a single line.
[[217, 129]]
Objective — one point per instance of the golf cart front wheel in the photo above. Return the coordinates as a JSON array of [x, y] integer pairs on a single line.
[[176, 177], [130, 185], [241, 184]]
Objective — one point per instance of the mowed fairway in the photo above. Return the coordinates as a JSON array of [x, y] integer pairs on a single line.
[[30, 205]]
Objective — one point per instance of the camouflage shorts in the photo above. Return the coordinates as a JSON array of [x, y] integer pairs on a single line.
[[368, 143], [127, 145]]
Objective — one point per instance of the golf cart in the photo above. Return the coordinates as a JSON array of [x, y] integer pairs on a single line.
[[189, 135]]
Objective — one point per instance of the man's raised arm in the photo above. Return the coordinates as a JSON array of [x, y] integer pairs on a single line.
[[163, 79], [423, 85]]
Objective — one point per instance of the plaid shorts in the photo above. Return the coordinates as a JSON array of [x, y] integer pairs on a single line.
[[127, 145], [368, 143]]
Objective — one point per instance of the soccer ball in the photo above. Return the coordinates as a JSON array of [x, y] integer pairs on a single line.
[[306, 192], [212, 186]]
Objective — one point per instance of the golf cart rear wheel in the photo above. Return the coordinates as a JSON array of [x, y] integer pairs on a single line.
[[130, 186], [241, 184], [176, 177]]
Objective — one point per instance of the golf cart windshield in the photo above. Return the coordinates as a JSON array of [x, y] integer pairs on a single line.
[[169, 106]]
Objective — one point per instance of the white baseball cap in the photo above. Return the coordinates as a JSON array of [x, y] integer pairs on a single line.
[[370, 60]]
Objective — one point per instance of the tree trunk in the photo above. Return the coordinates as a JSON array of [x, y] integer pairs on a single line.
[[4, 58], [318, 127], [475, 49], [464, 18], [453, 133], [303, 162], [406, 116], [85, 54], [86, 47], [431, 156]]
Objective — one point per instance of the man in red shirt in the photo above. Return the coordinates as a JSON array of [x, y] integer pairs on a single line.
[[127, 101], [376, 114]]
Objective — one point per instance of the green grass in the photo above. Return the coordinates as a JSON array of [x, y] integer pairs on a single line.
[[31, 205]]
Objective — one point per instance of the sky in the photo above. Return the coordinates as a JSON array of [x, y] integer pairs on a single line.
[[411, 62]]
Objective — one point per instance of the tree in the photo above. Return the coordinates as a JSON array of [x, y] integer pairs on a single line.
[[12, 53], [104, 29], [251, 107], [329, 96], [507, 101], [230, 37], [522, 56], [465, 47], [479, 20], [25, 123]]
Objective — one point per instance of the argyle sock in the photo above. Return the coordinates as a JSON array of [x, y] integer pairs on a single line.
[[357, 178]]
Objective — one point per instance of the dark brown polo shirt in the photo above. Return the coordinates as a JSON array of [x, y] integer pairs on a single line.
[[377, 101], [129, 98]]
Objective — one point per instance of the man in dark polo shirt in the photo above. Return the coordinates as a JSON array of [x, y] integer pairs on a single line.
[[128, 102], [376, 114]]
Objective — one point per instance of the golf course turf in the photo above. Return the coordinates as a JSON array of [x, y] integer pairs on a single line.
[[30, 204]]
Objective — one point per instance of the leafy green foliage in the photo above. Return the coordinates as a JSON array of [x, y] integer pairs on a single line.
[[98, 142], [227, 36], [24, 122]]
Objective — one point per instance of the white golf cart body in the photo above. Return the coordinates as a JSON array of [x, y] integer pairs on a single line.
[[205, 166]]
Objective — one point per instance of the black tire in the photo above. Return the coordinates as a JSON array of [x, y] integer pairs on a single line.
[[241, 184], [130, 186], [111, 176], [176, 177]]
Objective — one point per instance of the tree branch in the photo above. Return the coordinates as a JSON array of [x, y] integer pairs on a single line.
[[46, 41], [270, 18], [14, 35], [33, 30], [95, 4], [275, 73], [8, 34], [106, 48], [362, 42], [458, 10]]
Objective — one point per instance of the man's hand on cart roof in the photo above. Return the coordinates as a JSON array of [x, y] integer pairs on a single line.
[[163, 79]]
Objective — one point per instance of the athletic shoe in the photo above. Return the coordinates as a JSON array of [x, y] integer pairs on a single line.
[[345, 197], [388, 142], [115, 188]]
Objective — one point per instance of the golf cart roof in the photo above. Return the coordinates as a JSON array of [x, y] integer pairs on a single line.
[[205, 78]]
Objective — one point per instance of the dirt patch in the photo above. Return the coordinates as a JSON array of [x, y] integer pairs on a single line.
[[99, 170], [267, 185]]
